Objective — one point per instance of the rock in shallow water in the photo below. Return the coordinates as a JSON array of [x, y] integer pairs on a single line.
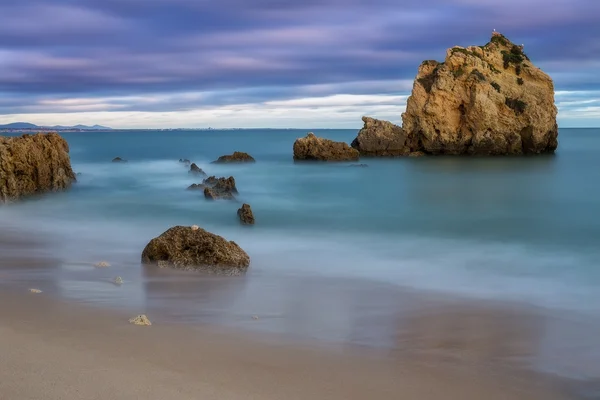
[[482, 100], [313, 148], [34, 164], [246, 215], [236, 157], [141, 320], [119, 160], [182, 247], [196, 170], [381, 139], [219, 188]]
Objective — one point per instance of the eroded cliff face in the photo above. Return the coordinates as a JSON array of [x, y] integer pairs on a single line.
[[33, 164], [485, 100]]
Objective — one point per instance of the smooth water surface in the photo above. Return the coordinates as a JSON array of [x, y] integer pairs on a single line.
[[523, 230]]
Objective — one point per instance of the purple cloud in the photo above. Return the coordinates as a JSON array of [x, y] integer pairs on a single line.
[[267, 49]]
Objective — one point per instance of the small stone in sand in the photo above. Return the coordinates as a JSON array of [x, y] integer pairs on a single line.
[[195, 227], [140, 320], [118, 280], [35, 290], [102, 264]]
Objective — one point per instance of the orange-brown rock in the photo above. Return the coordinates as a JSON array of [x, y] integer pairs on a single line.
[[193, 248], [483, 100], [33, 164], [381, 138], [313, 148]]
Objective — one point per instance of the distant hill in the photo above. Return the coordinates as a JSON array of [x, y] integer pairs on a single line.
[[19, 125], [27, 125]]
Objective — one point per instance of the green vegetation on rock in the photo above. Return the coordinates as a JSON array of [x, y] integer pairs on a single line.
[[518, 106], [495, 86]]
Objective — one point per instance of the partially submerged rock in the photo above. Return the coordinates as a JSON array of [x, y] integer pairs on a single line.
[[313, 148], [245, 214], [118, 281], [182, 247], [219, 188], [185, 161], [141, 320], [482, 100], [236, 157], [196, 170], [382, 139], [196, 186], [34, 164], [36, 291], [119, 160]]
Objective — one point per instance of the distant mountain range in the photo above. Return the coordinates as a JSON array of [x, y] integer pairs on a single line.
[[28, 126]]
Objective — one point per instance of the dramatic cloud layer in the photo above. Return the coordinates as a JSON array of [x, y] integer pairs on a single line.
[[133, 63]]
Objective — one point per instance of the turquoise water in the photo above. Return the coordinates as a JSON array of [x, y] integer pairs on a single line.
[[522, 230]]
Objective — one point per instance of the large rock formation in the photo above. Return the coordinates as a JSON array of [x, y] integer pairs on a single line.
[[313, 148], [236, 157], [193, 248], [487, 100], [33, 164], [381, 138], [482, 100]]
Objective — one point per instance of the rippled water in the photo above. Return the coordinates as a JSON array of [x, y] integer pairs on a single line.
[[524, 230]]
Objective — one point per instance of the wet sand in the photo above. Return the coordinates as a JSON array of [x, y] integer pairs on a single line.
[[52, 349]]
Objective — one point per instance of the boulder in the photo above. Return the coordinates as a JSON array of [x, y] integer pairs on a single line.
[[245, 214], [182, 247], [196, 170], [118, 160], [313, 148], [236, 157], [482, 100], [380, 138], [34, 164], [219, 188]]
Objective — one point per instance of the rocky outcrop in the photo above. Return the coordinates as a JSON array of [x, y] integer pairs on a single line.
[[381, 138], [184, 247], [236, 157], [313, 148], [482, 100], [196, 170], [118, 160], [245, 214], [219, 188], [33, 164]]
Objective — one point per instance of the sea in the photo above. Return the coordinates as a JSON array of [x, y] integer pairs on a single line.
[[338, 253]]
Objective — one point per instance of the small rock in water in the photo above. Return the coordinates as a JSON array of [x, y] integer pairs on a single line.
[[102, 264], [140, 320], [255, 317], [35, 290], [118, 280], [118, 160]]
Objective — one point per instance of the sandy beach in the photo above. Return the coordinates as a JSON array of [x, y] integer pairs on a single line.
[[52, 349]]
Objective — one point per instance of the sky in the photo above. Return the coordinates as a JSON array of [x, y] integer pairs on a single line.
[[269, 63]]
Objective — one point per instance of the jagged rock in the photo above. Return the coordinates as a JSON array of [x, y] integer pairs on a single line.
[[236, 157], [185, 161], [118, 160], [219, 188], [483, 100], [196, 170], [196, 186], [33, 164], [182, 247], [246, 215], [381, 138], [313, 148]]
